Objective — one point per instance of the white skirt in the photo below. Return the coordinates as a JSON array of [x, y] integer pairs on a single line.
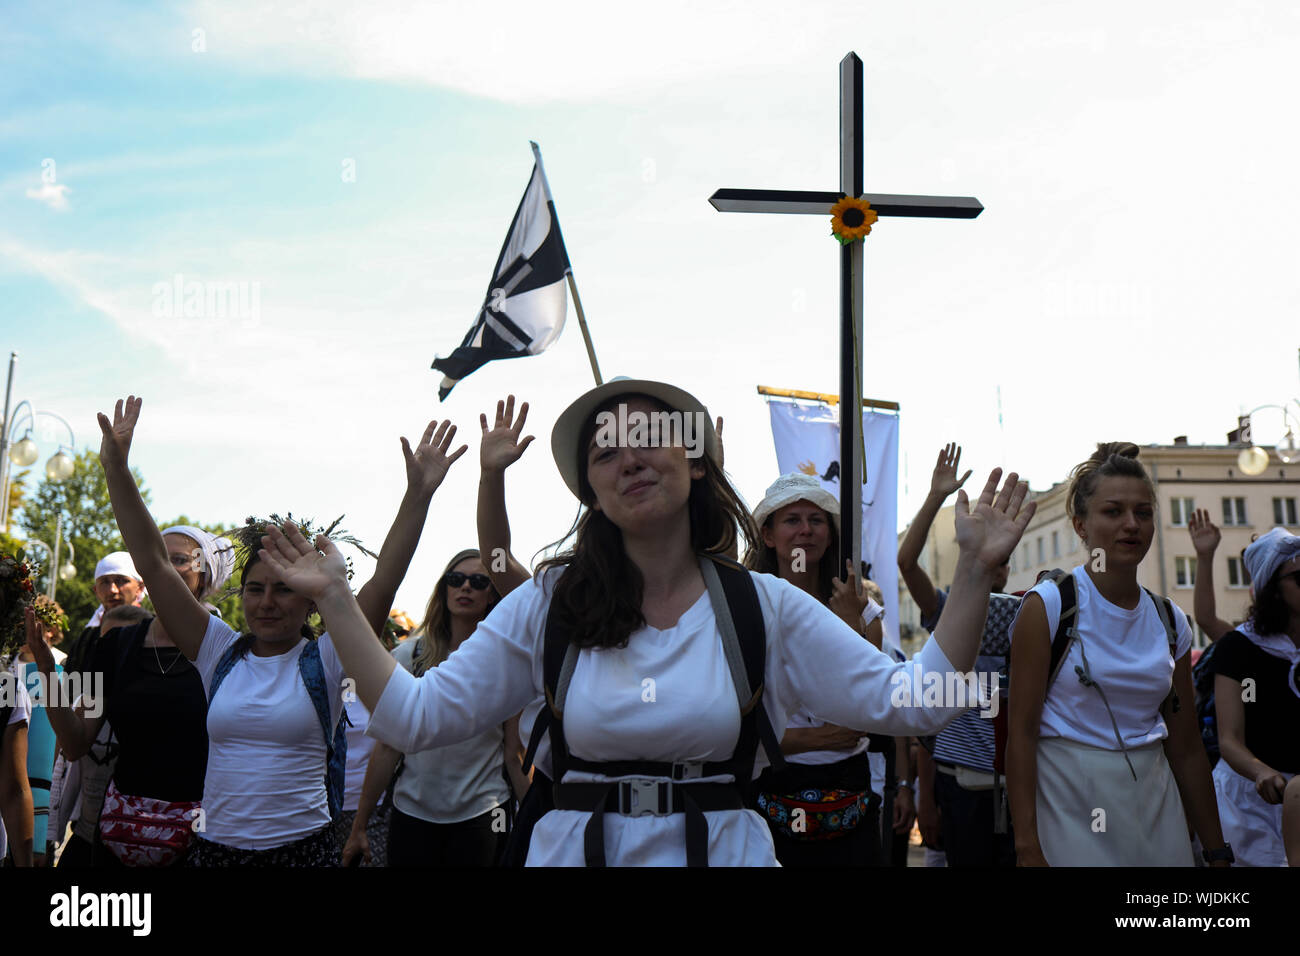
[[1252, 827], [1091, 812]]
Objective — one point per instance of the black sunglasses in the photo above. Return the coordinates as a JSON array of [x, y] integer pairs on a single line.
[[479, 582]]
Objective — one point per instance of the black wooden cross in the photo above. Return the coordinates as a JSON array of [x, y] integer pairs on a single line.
[[819, 204]]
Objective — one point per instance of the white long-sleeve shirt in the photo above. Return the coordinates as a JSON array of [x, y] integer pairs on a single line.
[[668, 695]]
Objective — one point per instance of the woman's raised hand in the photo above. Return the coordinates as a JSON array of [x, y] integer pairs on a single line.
[[1205, 536], [849, 598], [944, 480], [36, 642], [428, 464], [309, 569], [115, 445], [501, 446], [990, 531]]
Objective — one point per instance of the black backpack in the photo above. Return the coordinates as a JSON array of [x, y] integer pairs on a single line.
[[740, 619], [1206, 718]]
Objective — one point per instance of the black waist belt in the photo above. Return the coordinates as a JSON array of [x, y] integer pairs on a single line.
[[637, 798]]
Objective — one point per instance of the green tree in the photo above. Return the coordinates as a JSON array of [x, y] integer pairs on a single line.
[[17, 491]]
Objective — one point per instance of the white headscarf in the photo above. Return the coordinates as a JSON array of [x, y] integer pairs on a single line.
[[216, 553], [118, 562]]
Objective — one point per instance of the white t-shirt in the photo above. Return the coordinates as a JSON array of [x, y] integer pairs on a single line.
[[265, 784], [456, 782], [1128, 656], [688, 713], [804, 718]]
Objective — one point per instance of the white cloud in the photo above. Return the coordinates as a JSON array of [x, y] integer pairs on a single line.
[[53, 195]]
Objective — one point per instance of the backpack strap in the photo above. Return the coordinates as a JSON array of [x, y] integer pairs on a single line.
[[740, 622], [1065, 632], [224, 666], [1165, 610], [312, 672]]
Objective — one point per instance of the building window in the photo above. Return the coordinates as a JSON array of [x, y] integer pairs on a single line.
[[1040, 549], [1234, 511], [1284, 512], [1184, 572], [1181, 509], [1238, 576], [1026, 555], [1013, 562], [1074, 542]]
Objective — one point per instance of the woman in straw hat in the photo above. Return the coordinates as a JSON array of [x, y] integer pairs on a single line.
[[646, 677], [828, 772]]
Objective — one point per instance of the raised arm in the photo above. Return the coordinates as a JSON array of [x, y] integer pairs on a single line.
[[832, 672], [1205, 540], [499, 449], [185, 619], [75, 731], [943, 482], [426, 467], [486, 681]]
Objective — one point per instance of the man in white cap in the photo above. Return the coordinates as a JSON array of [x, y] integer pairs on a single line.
[[117, 583]]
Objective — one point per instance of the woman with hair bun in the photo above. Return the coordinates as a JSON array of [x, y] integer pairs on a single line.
[[1104, 753], [1257, 729]]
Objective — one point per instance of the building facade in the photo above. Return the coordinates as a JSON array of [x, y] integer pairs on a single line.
[[1186, 477]]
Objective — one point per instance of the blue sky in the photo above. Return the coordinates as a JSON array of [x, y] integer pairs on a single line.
[[1134, 275]]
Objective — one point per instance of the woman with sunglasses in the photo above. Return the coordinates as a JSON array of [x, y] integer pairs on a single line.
[[648, 677], [1258, 739], [450, 804]]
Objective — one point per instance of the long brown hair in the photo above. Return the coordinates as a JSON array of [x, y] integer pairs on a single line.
[[434, 632], [599, 595], [762, 557]]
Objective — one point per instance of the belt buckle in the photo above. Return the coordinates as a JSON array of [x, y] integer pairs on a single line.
[[639, 798], [688, 770]]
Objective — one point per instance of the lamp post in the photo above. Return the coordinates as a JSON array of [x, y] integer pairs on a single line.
[[24, 452], [1253, 459]]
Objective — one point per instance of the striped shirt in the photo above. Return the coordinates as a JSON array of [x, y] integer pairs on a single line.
[[968, 740]]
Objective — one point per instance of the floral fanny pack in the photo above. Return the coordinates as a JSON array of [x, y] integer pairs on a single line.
[[815, 814], [141, 831]]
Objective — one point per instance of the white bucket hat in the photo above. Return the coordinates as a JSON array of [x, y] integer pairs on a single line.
[[793, 487], [568, 427]]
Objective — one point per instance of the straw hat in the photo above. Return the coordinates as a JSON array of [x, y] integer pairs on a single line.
[[794, 487], [568, 427]]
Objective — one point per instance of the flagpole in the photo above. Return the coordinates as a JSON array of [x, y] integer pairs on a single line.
[[573, 286], [582, 324]]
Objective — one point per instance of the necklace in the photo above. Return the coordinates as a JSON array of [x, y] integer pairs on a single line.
[[157, 657]]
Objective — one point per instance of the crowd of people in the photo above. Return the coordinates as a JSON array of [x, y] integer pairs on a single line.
[[684, 682]]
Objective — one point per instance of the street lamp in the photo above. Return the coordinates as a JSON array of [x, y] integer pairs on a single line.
[[24, 452], [1253, 459]]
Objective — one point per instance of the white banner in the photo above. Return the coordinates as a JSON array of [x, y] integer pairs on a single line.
[[807, 439]]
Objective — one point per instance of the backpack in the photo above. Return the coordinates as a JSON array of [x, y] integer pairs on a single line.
[[1206, 718], [744, 639], [312, 672], [1061, 640]]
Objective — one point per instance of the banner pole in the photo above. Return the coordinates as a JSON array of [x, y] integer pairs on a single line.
[[582, 324]]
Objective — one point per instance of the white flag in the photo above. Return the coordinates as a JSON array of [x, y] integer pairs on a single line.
[[807, 440]]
